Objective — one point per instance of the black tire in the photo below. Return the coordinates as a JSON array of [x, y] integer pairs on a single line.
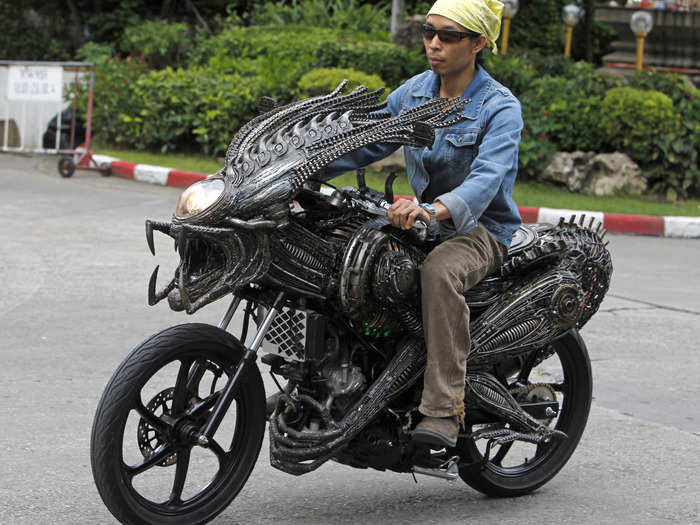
[[66, 167], [196, 347], [500, 478]]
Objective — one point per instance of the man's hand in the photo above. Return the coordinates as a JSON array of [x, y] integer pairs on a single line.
[[403, 213]]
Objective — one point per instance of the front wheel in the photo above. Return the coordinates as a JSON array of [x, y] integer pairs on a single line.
[[146, 466], [66, 167], [518, 468]]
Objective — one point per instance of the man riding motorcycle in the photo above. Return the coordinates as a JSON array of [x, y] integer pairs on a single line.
[[465, 186]]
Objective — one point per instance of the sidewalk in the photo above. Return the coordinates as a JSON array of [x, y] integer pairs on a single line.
[[670, 226]]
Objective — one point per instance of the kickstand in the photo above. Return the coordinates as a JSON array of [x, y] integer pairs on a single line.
[[414, 477]]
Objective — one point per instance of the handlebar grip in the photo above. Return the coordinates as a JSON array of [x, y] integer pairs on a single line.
[[421, 230]]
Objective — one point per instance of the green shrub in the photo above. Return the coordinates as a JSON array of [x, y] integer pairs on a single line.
[[391, 62], [115, 79], [536, 151], [675, 86], [634, 118], [548, 65], [338, 14], [674, 170], [169, 109], [180, 107], [567, 112], [324, 80], [162, 43], [283, 55], [511, 71]]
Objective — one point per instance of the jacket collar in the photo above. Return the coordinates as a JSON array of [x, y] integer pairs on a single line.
[[429, 87]]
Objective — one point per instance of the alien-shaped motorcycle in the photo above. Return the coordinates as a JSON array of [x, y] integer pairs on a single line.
[[332, 291]]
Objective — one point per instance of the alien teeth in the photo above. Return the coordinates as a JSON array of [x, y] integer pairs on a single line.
[[149, 237], [152, 287]]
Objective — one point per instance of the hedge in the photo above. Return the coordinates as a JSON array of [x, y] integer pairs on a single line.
[[566, 106], [324, 80]]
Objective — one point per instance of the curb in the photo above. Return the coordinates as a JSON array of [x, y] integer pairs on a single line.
[[669, 226]]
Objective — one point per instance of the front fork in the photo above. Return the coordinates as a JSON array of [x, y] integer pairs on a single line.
[[249, 355]]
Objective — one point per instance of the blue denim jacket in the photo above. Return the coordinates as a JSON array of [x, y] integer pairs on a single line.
[[474, 163]]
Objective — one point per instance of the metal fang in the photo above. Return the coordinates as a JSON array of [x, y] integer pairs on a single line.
[[149, 237], [152, 284], [181, 244]]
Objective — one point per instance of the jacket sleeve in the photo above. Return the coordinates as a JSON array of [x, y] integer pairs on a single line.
[[496, 160], [368, 154]]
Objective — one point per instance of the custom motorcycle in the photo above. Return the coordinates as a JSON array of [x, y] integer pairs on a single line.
[[331, 291]]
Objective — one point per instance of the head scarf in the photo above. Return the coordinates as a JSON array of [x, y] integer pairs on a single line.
[[480, 16]]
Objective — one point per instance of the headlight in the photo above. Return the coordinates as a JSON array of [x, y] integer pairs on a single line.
[[199, 197]]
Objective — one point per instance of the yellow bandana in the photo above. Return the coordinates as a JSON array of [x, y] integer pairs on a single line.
[[480, 16]]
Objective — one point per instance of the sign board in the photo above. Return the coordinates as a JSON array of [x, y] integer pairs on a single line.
[[36, 83]]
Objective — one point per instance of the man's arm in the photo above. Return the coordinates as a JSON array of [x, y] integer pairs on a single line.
[[497, 156]]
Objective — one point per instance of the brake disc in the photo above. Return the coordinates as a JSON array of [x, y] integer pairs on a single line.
[[149, 439]]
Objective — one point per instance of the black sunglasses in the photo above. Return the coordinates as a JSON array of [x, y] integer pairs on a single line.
[[448, 36]]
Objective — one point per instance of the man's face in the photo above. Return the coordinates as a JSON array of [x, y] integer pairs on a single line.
[[450, 58]]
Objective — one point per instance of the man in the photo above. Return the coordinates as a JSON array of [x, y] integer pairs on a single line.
[[465, 184]]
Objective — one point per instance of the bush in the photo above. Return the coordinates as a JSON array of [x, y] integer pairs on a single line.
[[178, 108], [549, 65], [169, 109], [115, 79], [269, 52], [163, 44], [338, 14], [519, 72], [567, 111], [324, 80], [511, 71], [675, 170], [634, 118], [391, 62], [277, 56], [677, 87]]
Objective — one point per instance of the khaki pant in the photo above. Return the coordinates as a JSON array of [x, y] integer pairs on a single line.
[[451, 269]]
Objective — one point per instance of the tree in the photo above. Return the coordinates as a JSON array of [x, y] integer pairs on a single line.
[[397, 9]]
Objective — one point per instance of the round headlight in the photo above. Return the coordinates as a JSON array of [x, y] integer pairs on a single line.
[[198, 197]]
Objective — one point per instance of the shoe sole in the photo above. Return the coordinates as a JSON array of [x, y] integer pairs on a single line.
[[428, 437]]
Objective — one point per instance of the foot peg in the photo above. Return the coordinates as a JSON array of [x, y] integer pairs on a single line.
[[449, 470]]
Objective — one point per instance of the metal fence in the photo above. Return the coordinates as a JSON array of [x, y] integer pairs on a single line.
[[31, 95]]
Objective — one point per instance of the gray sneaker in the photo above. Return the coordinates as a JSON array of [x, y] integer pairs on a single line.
[[437, 431]]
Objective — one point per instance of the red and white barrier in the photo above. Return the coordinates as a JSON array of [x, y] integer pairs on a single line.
[[672, 226]]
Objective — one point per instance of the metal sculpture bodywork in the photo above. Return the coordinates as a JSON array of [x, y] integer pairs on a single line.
[[340, 288]]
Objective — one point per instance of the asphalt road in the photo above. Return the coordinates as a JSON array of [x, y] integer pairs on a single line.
[[73, 273]]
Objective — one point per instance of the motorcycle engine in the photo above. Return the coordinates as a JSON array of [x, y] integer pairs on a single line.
[[379, 279]]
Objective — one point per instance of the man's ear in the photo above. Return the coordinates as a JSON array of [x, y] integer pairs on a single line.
[[479, 43]]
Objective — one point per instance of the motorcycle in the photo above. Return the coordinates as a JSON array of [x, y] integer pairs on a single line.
[[331, 290]]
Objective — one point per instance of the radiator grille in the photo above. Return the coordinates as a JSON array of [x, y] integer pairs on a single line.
[[287, 334]]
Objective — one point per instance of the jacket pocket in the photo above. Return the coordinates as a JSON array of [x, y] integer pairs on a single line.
[[461, 149]]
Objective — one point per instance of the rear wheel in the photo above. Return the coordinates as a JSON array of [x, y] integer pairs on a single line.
[[145, 462], [518, 468]]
